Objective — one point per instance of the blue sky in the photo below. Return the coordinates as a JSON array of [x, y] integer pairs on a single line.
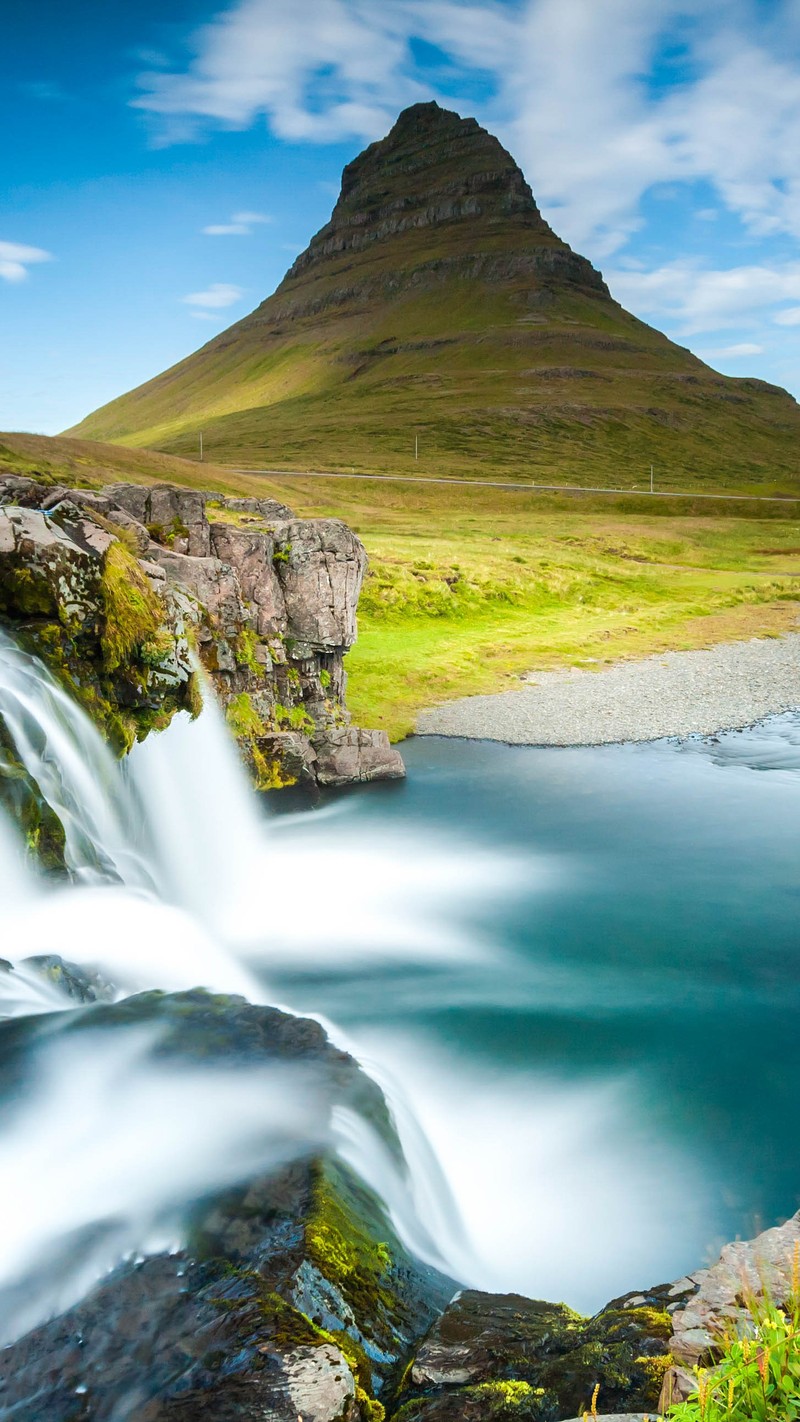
[[164, 161]]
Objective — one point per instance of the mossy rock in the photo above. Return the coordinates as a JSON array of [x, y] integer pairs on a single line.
[[504, 1356], [39, 825]]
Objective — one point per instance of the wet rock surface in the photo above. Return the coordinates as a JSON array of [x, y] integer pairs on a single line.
[[505, 1356], [293, 1297], [269, 600]]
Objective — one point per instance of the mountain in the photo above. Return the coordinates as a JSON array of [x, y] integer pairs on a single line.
[[437, 311]]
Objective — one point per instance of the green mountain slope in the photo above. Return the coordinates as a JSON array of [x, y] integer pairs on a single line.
[[438, 311]]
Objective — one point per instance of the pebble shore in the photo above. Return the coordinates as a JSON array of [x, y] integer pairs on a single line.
[[721, 688]]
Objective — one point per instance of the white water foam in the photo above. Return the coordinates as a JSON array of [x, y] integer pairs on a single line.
[[555, 1186], [99, 1157], [179, 881]]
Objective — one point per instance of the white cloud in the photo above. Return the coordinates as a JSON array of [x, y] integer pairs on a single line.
[[216, 297], [227, 229], [572, 96], [697, 298], [741, 348], [15, 258], [790, 316], [251, 219], [240, 225]]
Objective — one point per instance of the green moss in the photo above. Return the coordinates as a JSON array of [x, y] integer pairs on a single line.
[[167, 536], [294, 718], [194, 696], [324, 678], [270, 774], [346, 1253], [24, 595], [132, 614], [282, 555], [41, 828], [506, 1398], [244, 650], [242, 717]]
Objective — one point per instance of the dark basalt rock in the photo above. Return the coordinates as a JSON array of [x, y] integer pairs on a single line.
[[507, 1357], [294, 1297], [437, 171]]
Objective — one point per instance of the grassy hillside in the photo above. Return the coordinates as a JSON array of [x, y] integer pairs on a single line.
[[464, 325], [584, 394], [469, 587]]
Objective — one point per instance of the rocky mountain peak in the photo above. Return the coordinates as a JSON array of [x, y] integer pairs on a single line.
[[433, 169]]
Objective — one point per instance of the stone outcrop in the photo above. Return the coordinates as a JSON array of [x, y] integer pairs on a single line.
[[504, 1356], [765, 1267], [294, 1297], [103, 618], [269, 601]]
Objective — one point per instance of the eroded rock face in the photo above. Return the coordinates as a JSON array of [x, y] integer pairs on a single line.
[[434, 169], [271, 601], [106, 622]]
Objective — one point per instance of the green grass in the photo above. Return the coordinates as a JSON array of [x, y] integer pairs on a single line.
[[470, 587]]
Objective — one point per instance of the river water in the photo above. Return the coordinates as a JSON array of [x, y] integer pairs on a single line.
[[575, 972]]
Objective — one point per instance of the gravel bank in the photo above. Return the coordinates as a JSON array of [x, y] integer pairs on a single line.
[[672, 694]]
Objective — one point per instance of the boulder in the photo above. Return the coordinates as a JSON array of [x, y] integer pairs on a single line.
[[321, 566], [504, 1356], [765, 1267], [350, 754]]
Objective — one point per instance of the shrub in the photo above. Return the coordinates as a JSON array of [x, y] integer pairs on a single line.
[[757, 1378]]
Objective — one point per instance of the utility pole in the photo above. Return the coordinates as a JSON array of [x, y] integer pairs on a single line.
[[201, 446], [416, 446], [651, 478]]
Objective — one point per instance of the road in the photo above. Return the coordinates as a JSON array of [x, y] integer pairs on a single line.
[[522, 488]]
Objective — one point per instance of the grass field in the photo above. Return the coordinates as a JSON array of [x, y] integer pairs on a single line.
[[470, 587]]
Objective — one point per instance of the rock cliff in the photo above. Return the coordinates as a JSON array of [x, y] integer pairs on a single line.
[[120, 592], [433, 171]]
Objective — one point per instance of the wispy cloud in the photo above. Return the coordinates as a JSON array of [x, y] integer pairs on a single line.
[[240, 225], [216, 297], [576, 93], [740, 348], [697, 298], [15, 258], [44, 91]]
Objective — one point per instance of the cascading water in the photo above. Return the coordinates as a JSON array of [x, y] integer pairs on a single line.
[[104, 1146], [552, 962]]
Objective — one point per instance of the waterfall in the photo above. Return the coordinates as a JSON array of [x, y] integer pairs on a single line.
[[174, 880], [74, 770]]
